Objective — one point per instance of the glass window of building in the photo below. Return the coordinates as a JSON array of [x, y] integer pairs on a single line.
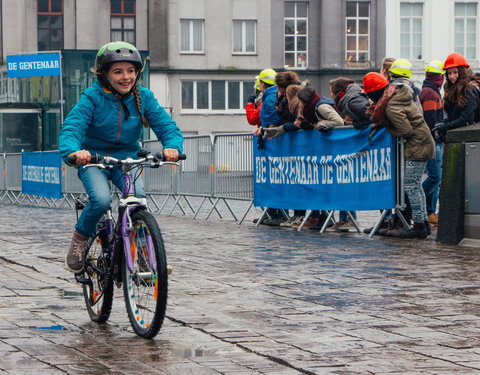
[[122, 21], [357, 32], [296, 34], [465, 29], [49, 25], [244, 37], [217, 96], [411, 33], [191, 36]]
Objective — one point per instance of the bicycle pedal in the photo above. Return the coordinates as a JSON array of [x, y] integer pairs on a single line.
[[80, 278]]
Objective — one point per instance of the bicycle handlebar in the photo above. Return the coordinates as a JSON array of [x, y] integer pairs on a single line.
[[101, 161]]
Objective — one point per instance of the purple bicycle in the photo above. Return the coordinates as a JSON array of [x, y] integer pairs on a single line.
[[129, 252]]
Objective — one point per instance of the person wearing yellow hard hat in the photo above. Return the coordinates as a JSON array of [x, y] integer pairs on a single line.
[[431, 101], [400, 74], [395, 110]]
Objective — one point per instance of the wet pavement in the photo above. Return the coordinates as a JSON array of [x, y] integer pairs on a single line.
[[246, 300]]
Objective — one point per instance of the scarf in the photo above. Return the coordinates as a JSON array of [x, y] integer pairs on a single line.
[[377, 111]]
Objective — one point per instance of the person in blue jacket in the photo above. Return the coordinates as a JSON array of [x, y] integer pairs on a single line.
[[108, 120]]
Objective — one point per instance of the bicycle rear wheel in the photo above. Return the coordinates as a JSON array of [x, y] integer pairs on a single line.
[[97, 285], [146, 289]]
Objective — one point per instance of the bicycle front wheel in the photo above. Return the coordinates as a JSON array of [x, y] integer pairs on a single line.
[[97, 285], [146, 288]]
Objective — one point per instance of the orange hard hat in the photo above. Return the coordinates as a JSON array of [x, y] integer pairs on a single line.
[[374, 81], [454, 60]]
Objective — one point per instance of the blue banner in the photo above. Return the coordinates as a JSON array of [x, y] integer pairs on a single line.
[[337, 170], [42, 174], [43, 64]]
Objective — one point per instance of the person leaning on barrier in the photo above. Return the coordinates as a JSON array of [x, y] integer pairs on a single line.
[[431, 101], [394, 109], [350, 102], [269, 117], [461, 96], [254, 104], [283, 80]]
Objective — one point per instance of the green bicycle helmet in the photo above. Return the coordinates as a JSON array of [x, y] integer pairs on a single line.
[[117, 52]]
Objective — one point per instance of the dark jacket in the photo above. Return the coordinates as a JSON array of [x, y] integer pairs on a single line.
[[354, 104], [462, 116]]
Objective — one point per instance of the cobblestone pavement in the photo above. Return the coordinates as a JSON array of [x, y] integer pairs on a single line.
[[246, 300]]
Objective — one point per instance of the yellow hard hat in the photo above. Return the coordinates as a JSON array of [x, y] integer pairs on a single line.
[[401, 67], [267, 76], [435, 66]]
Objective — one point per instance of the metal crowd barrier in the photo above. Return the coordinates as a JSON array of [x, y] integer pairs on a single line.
[[218, 170]]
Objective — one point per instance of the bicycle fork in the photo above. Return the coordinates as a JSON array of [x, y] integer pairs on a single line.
[[146, 241]]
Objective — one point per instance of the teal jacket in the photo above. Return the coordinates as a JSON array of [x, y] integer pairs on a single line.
[[100, 124]]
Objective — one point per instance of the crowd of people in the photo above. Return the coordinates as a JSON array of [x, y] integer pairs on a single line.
[[388, 99]]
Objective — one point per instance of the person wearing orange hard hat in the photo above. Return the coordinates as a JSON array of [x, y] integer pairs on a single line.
[[393, 108], [461, 98]]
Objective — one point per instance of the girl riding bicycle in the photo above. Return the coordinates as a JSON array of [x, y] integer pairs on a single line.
[[108, 120]]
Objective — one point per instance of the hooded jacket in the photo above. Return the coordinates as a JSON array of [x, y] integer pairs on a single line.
[[98, 123], [405, 120], [354, 103]]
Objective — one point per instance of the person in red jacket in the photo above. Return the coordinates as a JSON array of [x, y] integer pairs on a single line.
[[254, 104]]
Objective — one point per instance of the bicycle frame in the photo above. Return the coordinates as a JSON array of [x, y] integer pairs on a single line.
[[130, 202]]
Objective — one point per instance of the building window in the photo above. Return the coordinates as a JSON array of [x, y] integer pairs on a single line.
[[244, 37], [215, 96], [50, 25], [296, 34], [122, 21], [191, 36], [357, 31], [465, 29], [411, 24]]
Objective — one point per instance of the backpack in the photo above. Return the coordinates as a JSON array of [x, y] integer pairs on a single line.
[[323, 100]]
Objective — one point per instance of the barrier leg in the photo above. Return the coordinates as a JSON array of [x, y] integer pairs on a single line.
[[262, 216], [308, 213], [354, 221], [199, 208], [245, 213], [378, 223], [325, 224]]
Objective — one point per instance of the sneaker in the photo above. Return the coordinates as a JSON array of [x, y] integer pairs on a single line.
[[346, 226], [337, 225], [274, 221], [293, 220], [433, 218], [384, 225], [75, 259], [310, 223], [417, 231], [169, 269]]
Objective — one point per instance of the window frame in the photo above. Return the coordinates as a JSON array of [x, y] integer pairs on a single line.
[[410, 19], [296, 36], [463, 49], [61, 29], [191, 51], [244, 37], [202, 111], [122, 16], [357, 18]]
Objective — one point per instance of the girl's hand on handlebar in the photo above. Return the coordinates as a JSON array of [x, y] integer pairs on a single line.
[[82, 157], [170, 154]]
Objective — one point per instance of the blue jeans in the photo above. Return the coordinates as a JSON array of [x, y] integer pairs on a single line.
[[431, 185], [96, 184]]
